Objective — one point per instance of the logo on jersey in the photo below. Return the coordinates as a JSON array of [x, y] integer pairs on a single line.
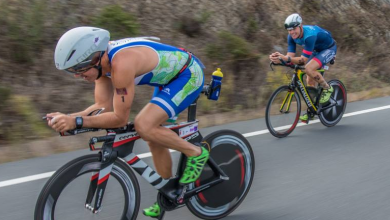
[[167, 91], [328, 55]]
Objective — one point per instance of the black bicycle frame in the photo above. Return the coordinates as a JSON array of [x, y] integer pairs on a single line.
[[297, 82], [120, 143]]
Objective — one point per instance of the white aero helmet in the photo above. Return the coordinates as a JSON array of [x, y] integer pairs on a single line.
[[292, 21], [78, 46]]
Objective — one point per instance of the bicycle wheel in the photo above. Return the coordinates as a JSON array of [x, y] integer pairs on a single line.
[[332, 115], [64, 195], [233, 153], [283, 110]]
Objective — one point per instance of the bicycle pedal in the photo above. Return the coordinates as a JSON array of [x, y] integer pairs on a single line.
[[305, 121]]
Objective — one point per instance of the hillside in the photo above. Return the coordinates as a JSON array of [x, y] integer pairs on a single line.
[[236, 35]]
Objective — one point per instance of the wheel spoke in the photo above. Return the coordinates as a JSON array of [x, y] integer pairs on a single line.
[[282, 112]]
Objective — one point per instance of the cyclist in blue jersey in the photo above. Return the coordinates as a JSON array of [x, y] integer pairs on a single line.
[[319, 48], [116, 67]]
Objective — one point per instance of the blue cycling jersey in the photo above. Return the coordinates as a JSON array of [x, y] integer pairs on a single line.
[[315, 39], [176, 92]]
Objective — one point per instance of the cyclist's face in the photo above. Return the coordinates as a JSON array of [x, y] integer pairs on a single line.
[[294, 32], [89, 75]]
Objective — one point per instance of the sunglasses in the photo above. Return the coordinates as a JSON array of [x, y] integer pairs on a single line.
[[86, 65]]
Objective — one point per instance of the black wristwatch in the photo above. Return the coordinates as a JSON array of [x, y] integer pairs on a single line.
[[288, 59], [79, 122]]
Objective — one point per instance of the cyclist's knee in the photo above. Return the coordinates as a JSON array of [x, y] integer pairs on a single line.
[[143, 128]]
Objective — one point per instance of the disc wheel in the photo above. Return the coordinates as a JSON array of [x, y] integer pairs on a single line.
[[233, 154], [334, 111]]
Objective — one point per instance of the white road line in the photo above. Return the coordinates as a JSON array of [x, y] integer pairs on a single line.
[[26, 179], [49, 174]]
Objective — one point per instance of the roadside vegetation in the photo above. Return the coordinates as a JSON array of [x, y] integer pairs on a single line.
[[238, 40]]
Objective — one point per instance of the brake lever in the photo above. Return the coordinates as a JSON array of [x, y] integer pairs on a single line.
[[270, 65], [46, 117]]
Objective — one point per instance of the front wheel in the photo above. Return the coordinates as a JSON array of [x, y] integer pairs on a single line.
[[334, 111], [64, 195], [283, 110], [233, 154]]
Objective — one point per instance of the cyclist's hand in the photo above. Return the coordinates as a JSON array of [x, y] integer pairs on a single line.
[[61, 122], [274, 57]]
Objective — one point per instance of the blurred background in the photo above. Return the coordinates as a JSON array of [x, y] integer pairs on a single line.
[[235, 35]]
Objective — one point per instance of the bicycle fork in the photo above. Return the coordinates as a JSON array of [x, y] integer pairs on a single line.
[[99, 181], [287, 100]]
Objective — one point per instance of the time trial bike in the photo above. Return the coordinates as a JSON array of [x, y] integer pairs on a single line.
[[284, 106], [103, 185]]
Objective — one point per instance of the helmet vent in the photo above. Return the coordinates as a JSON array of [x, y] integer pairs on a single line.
[[71, 54]]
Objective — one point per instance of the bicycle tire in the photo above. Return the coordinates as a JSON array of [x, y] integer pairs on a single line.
[[230, 150], [45, 208], [331, 116], [281, 123]]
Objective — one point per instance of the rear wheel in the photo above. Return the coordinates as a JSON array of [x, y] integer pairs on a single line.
[[283, 110], [334, 111], [64, 195], [233, 154]]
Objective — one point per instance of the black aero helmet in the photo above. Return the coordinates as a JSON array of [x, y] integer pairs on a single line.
[[292, 21]]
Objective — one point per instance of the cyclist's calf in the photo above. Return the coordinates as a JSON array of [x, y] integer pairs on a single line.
[[311, 71]]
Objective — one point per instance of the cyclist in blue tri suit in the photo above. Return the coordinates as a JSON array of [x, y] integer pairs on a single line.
[[116, 67], [319, 48]]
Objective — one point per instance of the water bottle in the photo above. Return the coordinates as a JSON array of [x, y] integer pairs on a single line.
[[215, 84]]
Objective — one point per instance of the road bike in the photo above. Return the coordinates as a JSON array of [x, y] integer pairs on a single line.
[[284, 106], [77, 189]]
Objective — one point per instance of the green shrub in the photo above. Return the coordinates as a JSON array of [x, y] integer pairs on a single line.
[[120, 23], [230, 47], [5, 94], [252, 28], [21, 120], [24, 30], [192, 25]]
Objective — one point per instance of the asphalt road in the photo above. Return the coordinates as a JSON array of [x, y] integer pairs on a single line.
[[317, 172]]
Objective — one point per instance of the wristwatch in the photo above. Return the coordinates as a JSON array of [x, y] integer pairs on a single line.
[[288, 59], [79, 122]]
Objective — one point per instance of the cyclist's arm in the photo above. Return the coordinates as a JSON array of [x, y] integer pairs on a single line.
[[103, 97], [122, 77], [306, 52], [296, 60]]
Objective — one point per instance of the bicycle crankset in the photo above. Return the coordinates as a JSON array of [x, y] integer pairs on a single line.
[[165, 203]]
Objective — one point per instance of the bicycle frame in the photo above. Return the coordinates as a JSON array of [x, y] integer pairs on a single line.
[[119, 143], [297, 82]]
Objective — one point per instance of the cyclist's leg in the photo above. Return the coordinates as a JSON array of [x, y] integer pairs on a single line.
[[321, 59], [171, 100], [310, 80], [157, 90], [168, 102], [311, 71]]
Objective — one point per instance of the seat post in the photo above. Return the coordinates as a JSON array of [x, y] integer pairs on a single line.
[[192, 111]]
